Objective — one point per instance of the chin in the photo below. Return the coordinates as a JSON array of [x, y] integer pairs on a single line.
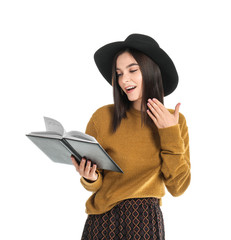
[[133, 99]]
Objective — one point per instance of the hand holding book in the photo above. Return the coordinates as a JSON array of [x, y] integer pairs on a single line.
[[85, 169]]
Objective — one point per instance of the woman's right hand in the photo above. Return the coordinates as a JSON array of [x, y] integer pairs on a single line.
[[85, 170]]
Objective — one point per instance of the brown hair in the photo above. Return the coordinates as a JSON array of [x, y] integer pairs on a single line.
[[152, 87]]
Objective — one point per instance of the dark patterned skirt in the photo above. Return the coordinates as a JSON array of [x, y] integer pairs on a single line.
[[138, 218]]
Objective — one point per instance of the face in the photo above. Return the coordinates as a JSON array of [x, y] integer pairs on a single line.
[[130, 78]]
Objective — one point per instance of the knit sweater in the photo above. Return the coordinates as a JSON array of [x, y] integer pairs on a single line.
[[150, 158]]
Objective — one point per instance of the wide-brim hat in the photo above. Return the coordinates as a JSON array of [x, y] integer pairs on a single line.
[[104, 57]]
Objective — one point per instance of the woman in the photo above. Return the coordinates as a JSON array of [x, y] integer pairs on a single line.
[[149, 142]]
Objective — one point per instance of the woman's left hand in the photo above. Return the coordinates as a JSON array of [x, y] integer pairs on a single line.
[[160, 115]]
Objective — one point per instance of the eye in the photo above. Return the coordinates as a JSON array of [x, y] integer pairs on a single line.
[[134, 70], [118, 74]]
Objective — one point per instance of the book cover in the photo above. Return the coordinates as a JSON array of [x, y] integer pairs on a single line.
[[59, 145]]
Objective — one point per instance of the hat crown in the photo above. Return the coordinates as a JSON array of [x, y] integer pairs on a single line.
[[135, 37]]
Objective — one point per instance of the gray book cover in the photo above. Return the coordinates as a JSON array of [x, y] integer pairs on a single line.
[[59, 145]]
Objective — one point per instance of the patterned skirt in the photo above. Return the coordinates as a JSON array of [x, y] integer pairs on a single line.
[[138, 218]]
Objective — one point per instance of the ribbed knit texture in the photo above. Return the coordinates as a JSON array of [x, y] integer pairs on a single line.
[[151, 159]]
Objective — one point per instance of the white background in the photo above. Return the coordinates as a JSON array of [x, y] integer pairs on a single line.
[[47, 69]]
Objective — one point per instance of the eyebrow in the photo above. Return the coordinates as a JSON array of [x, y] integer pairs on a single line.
[[130, 65]]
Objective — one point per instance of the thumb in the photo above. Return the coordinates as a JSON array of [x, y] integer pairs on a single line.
[[177, 110]]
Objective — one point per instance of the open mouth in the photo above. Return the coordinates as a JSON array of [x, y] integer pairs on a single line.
[[130, 89]]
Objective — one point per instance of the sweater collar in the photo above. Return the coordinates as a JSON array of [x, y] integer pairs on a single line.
[[134, 112]]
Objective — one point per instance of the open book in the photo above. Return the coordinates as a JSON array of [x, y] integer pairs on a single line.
[[59, 145]]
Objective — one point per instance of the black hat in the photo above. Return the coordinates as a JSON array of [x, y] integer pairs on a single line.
[[145, 44]]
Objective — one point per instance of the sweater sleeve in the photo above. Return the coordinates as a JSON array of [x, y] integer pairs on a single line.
[[175, 157], [92, 186]]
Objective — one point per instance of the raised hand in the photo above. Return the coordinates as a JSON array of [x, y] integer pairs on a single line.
[[85, 170], [160, 115]]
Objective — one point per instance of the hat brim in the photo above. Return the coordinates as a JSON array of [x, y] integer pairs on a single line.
[[105, 55]]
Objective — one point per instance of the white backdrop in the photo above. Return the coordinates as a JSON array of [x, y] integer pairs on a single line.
[[47, 69]]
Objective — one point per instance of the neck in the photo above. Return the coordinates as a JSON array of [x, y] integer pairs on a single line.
[[137, 105]]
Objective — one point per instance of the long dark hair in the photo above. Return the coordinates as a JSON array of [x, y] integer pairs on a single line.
[[152, 87]]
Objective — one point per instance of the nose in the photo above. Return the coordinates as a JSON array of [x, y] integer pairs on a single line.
[[125, 78]]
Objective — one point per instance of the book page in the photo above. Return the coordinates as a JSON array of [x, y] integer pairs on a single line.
[[54, 126], [80, 135], [46, 134]]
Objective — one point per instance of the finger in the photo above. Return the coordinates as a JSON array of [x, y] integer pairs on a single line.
[[159, 104], [73, 160], [154, 108], [82, 166], [157, 107], [152, 116], [177, 110], [75, 163], [93, 169], [87, 168], [94, 174]]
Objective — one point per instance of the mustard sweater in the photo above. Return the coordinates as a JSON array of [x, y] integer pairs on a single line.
[[150, 158]]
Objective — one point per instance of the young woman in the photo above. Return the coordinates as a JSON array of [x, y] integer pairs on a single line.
[[149, 142]]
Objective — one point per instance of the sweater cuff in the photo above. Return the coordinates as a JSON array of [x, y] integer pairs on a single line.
[[92, 186], [170, 136]]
